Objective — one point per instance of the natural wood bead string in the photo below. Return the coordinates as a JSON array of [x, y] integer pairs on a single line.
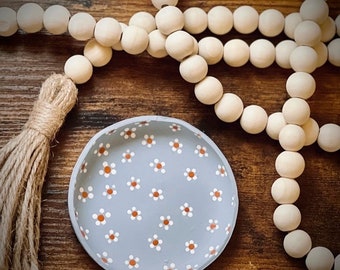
[[303, 52]]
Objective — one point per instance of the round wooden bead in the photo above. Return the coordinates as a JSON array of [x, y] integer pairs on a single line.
[[334, 52], [322, 52], [287, 217], [56, 19], [246, 19], [262, 53], [220, 20], [297, 243], [169, 19], [296, 111], [300, 85], [328, 30], [283, 51], [30, 17], [292, 137], [184, 50], [98, 54], [8, 22], [81, 26], [118, 45], [275, 123], [195, 20], [209, 90], [311, 129], [254, 119], [307, 33], [211, 49], [320, 258], [134, 40], [337, 262], [143, 20], [289, 164], [229, 108], [236, 53], [285, 190], [337, 24], [271, 22], [304, 58], [193, 69], [291, 21], [314, 10], [78, 68], [329, 137], [108, 31], [162, 3], [156, 46]]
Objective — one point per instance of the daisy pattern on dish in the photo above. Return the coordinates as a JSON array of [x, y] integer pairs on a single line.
[[132, 262], [110, 191], [212, 252], [190, 246], [216, 195], [85, 194], [158, 165], [104, 258], [201, 151], [108, 169], [84, 233], [221, 170], [128, 133], [189, 267], [133, 183], [83, 167], [155, 242], [100, 218], [176, 146], [170, 266], [190, 174], [156, 194], [186, 210], [127, 156], [213, 225], [175, 127], [102, 150], [143, 123], [112, 236], [149, 140], [135, 214], [166, 222]]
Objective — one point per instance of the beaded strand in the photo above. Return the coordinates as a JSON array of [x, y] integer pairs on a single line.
[[304, 51]]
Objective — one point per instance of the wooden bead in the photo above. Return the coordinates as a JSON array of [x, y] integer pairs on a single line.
[[275, 123], [320, 258], [8, 22], [134, 40], [118, 45], [297, 243], [220, 20], [311, 129], [193, 69], [156, 46], [236, 53], [30, 17], [78, 68], [262, 53], [211, 49], [292, 137], [289, 164], [304, 58], [229, 108], [296, 111], [246, 19], [271, 22], [81, 26], [195, 20], [287, 217], [143, 20], [162, 3], [169, 19], [334, 52], [254, 119], [108, 31], [328, 30], [337, 24], [283, 51], [209, 90], [56, 19], [98, 54], [186, 47], [300, 85], [285, 190], [322, 52], [314, 10], [329, 137], [291, 21], [307, 33]]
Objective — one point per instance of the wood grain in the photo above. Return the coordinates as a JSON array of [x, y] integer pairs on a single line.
[[140, 85]]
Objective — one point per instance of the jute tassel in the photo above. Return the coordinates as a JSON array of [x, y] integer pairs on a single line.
[[23, 165]]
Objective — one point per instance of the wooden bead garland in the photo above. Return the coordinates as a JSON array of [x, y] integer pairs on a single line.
[[309, 28]]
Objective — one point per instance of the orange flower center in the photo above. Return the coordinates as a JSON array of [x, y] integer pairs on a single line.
[[187, 209], [112, 236], [212, 226], [132, 262], [166, 222], [176, 144], [107, 169], [155, 242], [134, 184], [101, 218], [128, 156], [191, 246], [84, 194], [217, 194], [129, 132], [156, 194], [109, 191], [134, 214], [101, 150], [104, 260], [212, 252], [159, 166], [191, 174], [202, 151], [149, 140]]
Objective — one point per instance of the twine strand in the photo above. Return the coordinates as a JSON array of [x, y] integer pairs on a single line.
[[23, 166]]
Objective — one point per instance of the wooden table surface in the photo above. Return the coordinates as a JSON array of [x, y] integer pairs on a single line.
[[141, 85]]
